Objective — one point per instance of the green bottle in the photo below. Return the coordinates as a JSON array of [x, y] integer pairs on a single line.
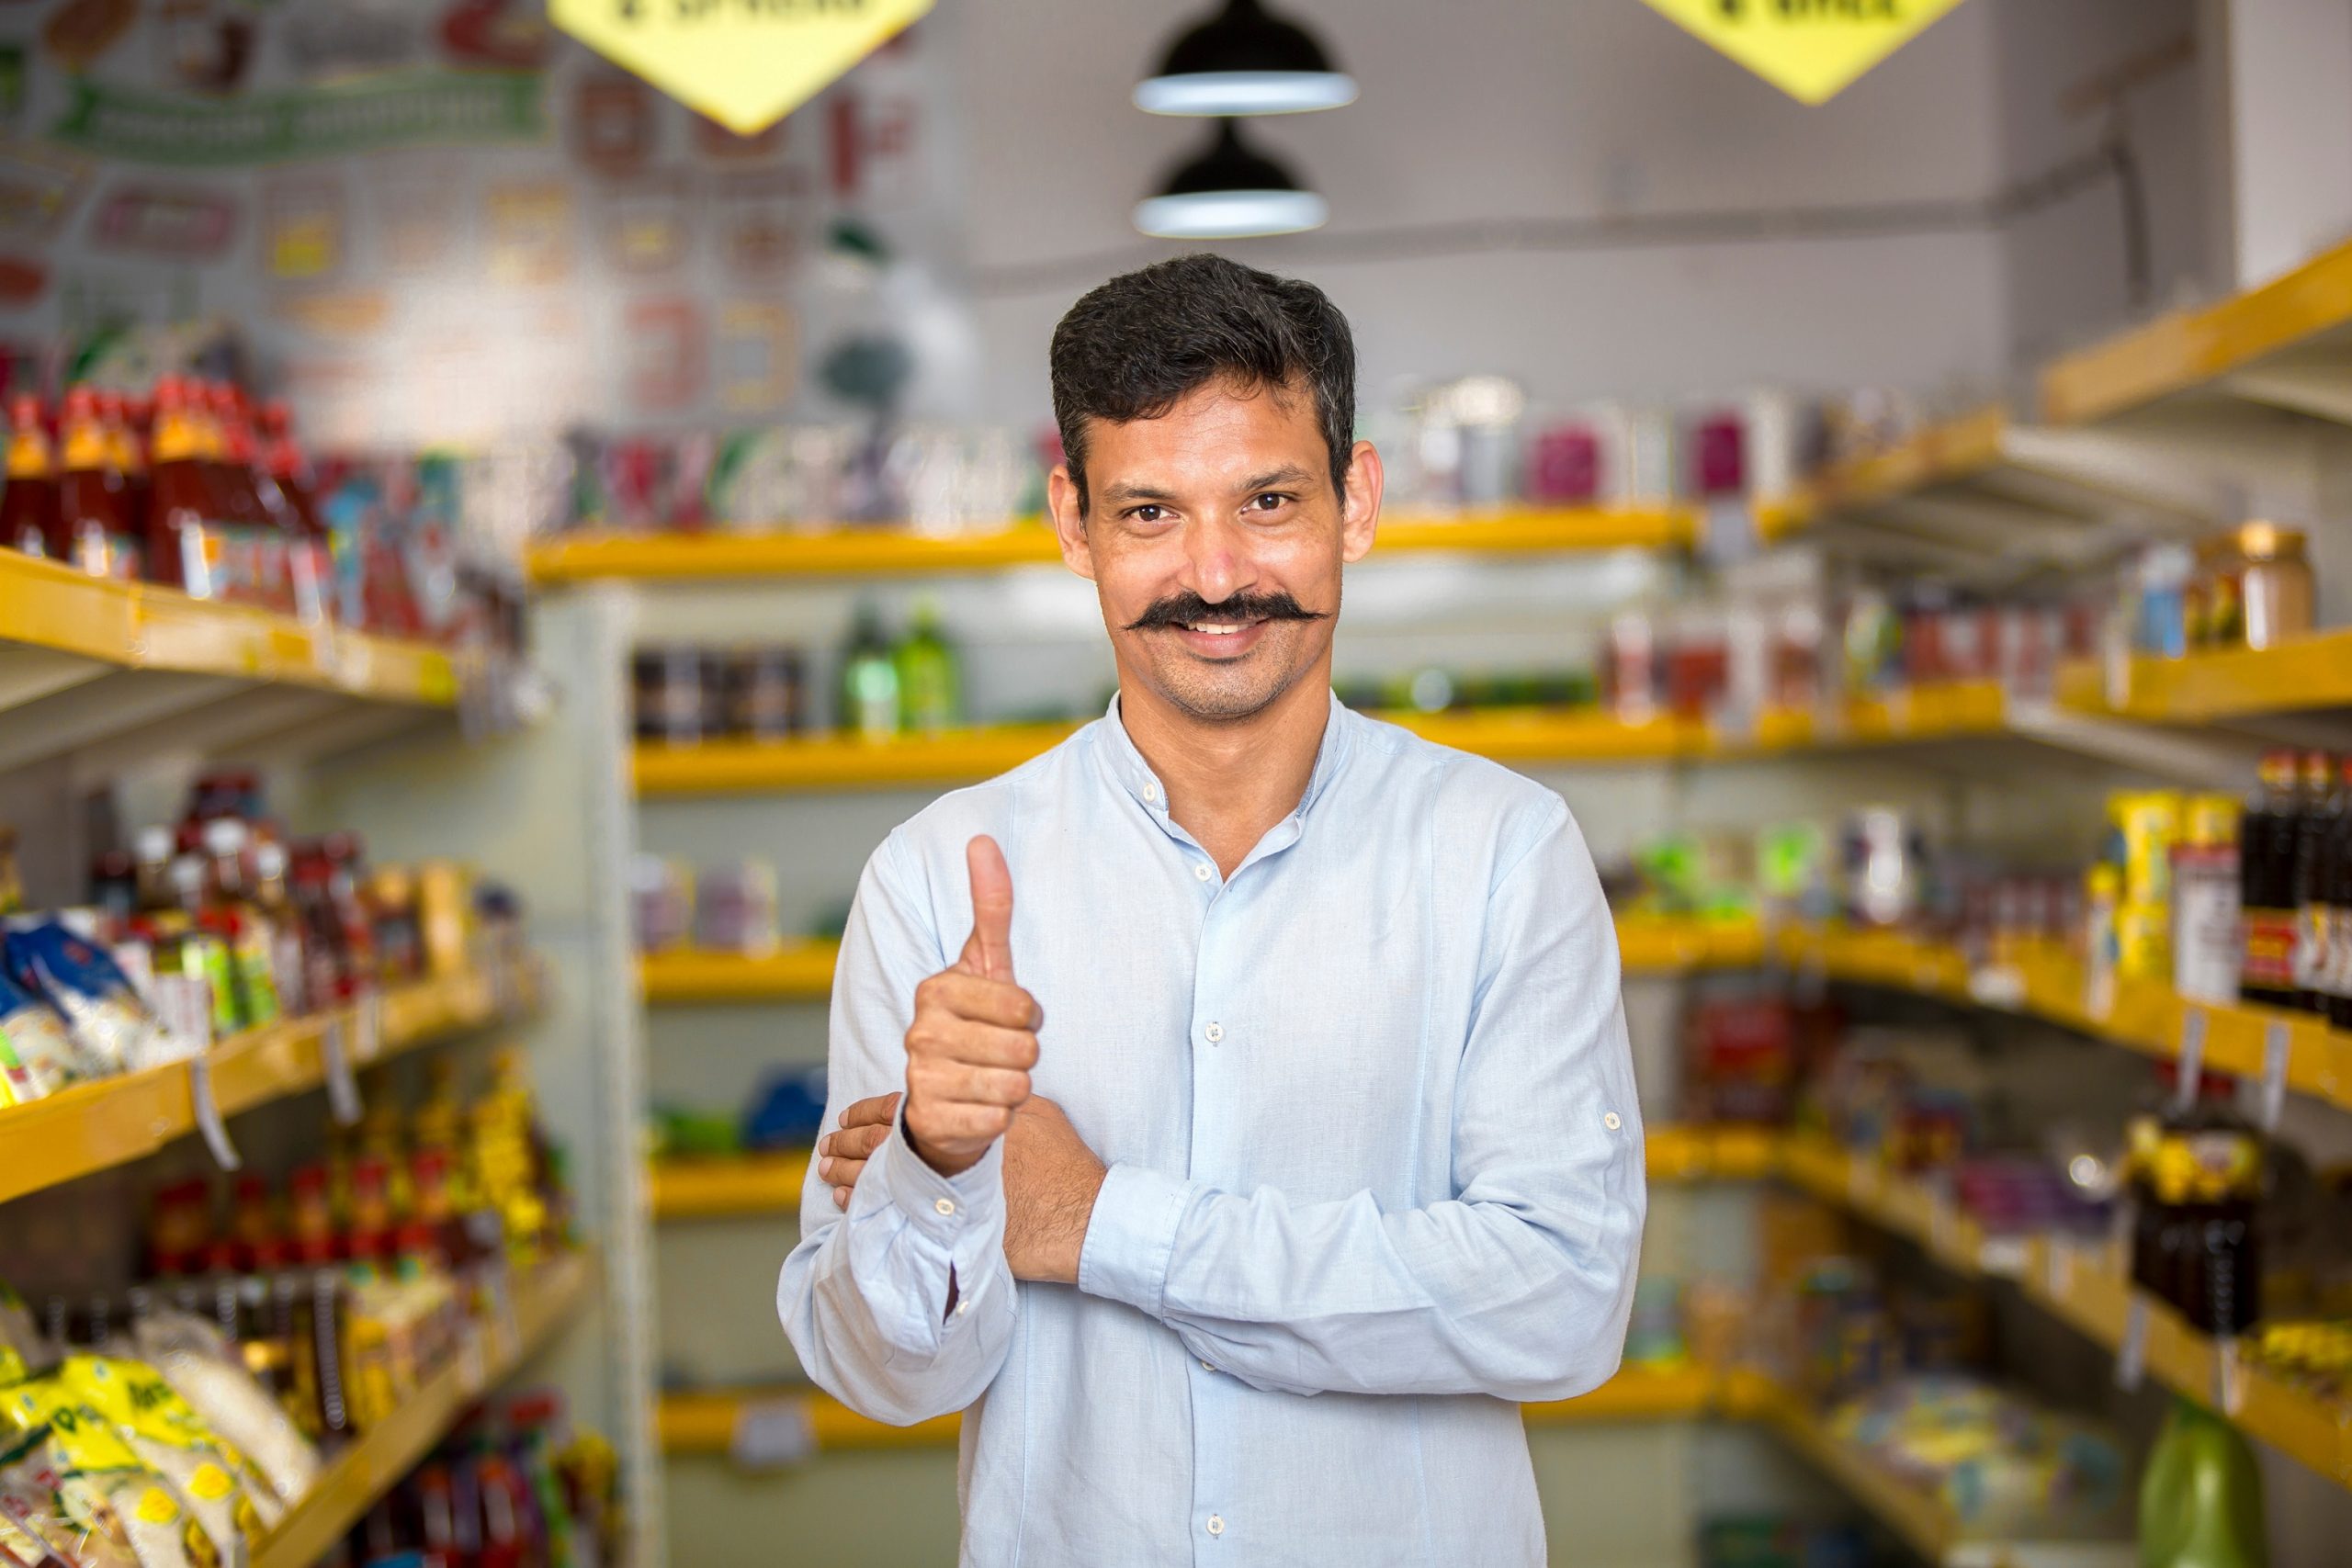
[[2200, 1498], [928, 676], [869, 707]]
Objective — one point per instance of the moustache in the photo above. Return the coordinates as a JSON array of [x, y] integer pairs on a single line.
[[1181, 609]]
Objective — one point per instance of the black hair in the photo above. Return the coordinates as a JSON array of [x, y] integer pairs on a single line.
[[1130, 348]]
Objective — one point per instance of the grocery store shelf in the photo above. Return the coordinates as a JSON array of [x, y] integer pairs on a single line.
[[1937, 453], [715, 1187], [349, 1487], [796, 971], [892, 552], [2088, 1286], [2311, 673], [2084, 1283], [2187, 351], [841, 763], [47, 606], [94, 1126], [1563, 737], [1666, 944], [1677, 1151]]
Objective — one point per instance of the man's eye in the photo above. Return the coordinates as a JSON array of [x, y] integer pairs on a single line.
[[1147, 514], [1269, 501]]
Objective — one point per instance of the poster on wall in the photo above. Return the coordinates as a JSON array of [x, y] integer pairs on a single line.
[[360, 193]]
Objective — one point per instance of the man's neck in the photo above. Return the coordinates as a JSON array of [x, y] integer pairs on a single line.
[[1229, 782]]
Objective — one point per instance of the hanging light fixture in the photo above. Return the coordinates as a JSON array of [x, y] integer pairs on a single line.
[[1244, 61], [1229, 192]]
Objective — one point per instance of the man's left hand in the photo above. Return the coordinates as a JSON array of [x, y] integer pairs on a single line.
[[1050, 1180]]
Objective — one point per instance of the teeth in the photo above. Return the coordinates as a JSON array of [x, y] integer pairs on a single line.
[[1214, 628]]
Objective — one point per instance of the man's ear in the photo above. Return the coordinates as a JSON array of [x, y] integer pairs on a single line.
[[1069, 525], [1360, 503]]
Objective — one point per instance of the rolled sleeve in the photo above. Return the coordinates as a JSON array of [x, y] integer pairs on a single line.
[[1131, 1235]]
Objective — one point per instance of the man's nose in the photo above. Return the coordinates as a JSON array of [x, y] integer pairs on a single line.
[[1218, 552]]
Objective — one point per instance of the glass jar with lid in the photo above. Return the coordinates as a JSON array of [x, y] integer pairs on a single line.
[[2274, 584]]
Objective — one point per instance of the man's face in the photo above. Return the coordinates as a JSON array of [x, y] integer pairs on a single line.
[[1216, 539]]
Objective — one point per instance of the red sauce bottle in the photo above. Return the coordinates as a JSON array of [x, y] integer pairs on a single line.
[[96, 529], [187, 538], [286, 489], [29, 505]]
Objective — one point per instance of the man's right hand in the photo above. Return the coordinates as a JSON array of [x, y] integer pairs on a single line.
[[974, 1037]]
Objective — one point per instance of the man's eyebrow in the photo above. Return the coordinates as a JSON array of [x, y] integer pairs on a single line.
[[1289, 474], [1123, 492]]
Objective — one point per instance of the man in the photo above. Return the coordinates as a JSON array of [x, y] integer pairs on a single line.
[[1276, 1053]]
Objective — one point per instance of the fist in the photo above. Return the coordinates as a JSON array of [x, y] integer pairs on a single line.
[[974, 1037]]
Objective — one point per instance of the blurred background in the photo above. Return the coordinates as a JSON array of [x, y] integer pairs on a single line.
[[506, 504]]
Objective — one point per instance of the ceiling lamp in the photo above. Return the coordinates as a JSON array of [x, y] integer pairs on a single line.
[[1229, 192], [1243, 61]]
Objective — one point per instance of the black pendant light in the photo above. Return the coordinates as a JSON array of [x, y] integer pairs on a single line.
[[1244, 61], [1229, 192]]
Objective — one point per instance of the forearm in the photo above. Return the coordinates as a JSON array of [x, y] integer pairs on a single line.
[[1497, 1297], [865, 1296]]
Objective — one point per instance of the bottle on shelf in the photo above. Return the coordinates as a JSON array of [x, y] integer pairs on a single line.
[[2268, 835], [2323, 809], [97, 533], [2337, 875], [2200, 1496], [288, 491], [126, 432], [231, 912], [929, 675], [869, 684], [29, 505]]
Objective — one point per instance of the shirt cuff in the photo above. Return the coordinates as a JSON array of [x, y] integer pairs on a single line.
[[1131, 1237], [944, 1208]]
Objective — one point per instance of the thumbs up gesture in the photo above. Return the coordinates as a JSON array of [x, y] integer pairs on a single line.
[[974, 1037]]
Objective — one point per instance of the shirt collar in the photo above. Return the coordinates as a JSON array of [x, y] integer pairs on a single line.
[[1135, 775]]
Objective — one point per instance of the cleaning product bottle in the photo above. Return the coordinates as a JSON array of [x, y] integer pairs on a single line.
[[2200, 1498], [927, 665]]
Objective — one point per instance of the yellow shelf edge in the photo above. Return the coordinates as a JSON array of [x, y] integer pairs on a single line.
[[354, 1481], [589, 554], [110, 1121], [1937, 453], [2310, 672], [796, 971], [2180, 351], [146, 627], [687, 1187]]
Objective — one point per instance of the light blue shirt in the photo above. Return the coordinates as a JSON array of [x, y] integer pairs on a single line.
[[1375, 1165]]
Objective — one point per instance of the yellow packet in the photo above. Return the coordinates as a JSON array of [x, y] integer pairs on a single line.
[[167, 1433]]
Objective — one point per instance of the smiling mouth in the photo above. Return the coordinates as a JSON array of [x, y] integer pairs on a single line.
[[1219, 628]]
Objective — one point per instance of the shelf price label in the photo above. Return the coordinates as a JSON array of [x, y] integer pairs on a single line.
[[745, 63], [1809, 49]]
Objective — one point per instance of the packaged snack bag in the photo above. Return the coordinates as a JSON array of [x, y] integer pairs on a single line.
[[46, 1516], [95, 1467], [176, 1443], [202, 1369], [83, 982], [38, 1052]]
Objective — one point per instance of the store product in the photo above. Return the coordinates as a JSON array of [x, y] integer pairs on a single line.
[[2206, 947], [2197, 1181], [869, 696], [29, 506], [685, 695], [2269, 838], [97, 526], [930, 695], [2002, 1466], [2200, 1495]]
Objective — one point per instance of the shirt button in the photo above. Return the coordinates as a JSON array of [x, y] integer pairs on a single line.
[[1215, 1032], [1216, 1524], [944, 1205], [962, 1306], [1207, 1367], [1201, 871], [1611, 1122], [1151, 793]]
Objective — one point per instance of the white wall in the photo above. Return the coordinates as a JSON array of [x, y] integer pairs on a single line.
[[1499, 110]]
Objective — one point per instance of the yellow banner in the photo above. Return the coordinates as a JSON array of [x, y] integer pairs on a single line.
[[745, 63], [1808, 49]]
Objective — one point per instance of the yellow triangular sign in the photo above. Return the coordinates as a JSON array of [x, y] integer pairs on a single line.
[[1808, 49], [745, 65]]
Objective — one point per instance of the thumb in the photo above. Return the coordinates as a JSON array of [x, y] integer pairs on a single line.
[[988, 953]]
